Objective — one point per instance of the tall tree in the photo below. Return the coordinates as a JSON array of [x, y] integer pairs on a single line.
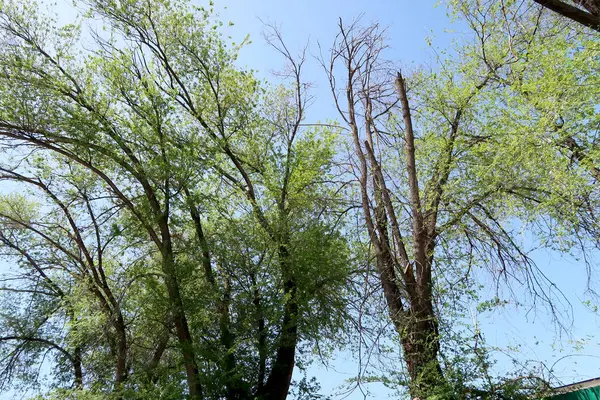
[[224, 233], [441, 184]]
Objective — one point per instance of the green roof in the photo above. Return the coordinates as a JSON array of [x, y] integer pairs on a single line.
[[583, 394], [586, 390]]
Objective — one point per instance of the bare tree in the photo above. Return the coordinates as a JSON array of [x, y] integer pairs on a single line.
[[406, 279]]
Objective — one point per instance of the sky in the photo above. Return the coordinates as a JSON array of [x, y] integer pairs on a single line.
[[314, 22], [410, 24]]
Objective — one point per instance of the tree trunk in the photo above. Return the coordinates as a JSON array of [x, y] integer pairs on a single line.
[[236, 387], [420, 343], [121, 370], [417, 328], [405, 276], [179, 319], [77, 368], [280, 378]]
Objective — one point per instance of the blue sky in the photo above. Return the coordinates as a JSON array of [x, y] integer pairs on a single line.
[[410, 23], [315, 22]]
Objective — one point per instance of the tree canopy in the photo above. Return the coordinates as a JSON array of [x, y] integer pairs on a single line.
[[175, 227]]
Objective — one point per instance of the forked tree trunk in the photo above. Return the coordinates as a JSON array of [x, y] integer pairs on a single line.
[[405, 276]]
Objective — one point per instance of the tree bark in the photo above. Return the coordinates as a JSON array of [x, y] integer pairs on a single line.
[[590, 19], [280, 377], [77, 368], [179, 319], [420, 338], [262, 335], [121, 370], [420, 343]]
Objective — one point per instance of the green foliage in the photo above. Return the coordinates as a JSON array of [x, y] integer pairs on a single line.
[[181, 227], [178, 195]]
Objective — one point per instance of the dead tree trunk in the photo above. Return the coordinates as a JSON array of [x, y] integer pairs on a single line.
[[405, 275]]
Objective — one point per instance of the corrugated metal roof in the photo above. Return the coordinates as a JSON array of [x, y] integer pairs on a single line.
[[589, 383], [584, 390]]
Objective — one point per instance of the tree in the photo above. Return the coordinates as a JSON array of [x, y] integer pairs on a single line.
[[549, 72], [64, 262], [189, 196], [442, 180], [185, 230]]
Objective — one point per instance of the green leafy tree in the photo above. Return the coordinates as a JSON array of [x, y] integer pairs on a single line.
[[191, 220]]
